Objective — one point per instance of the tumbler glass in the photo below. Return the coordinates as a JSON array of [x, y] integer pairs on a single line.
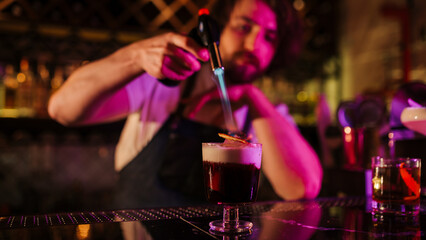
[[396, 185]]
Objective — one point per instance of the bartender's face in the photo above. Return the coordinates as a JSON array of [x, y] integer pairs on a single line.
[[248, 41]]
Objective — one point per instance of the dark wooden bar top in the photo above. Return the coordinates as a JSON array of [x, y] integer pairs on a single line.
[[323, 218]]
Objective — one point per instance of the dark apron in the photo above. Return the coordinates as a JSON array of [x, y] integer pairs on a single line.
[[168, 171]]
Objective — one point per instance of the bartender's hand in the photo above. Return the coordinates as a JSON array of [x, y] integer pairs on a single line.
[[239, 95], [170, 55], [94, 93]]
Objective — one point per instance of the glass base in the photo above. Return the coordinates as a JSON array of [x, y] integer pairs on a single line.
[[241, 226], [395, 208]]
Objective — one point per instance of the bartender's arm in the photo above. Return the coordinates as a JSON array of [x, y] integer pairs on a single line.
[[94, 93], [289, 162]]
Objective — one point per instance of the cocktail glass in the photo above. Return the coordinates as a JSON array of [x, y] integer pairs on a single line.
[[231, 177], [414, 118], [396, 185]]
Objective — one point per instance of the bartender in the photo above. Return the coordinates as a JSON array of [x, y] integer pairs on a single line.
[[158, 155]]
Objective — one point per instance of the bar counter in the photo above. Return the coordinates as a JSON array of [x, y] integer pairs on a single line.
[[323, 218]]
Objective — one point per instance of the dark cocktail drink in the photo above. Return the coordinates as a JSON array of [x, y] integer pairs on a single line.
[[230, 182], [231, 177]]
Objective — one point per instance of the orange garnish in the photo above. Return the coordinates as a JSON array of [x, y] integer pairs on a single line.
[[232, 138], [410, 182], [410, 198]]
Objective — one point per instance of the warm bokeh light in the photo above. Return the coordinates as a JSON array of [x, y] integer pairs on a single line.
[[391, 142], [347, 130], [21, 77], [299, 5], [83, 231], [348, 134], [302, 96]]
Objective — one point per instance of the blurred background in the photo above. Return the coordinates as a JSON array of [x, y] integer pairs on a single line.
[[355, 51]]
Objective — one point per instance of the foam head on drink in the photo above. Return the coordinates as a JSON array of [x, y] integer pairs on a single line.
[[231, 171]]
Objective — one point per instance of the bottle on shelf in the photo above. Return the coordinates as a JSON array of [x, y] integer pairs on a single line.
[[11, 84], [25, 89], [41, 91], [2, 88], [58, 79]]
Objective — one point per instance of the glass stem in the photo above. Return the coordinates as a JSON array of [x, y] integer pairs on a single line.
[[230, 217]]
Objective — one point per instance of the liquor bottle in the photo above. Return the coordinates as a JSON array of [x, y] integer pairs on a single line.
[[58, 79], [25, 89], [11, 85], [41, 91], [2, 88]]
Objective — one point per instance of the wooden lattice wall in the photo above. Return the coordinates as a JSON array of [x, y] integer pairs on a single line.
[[62, 30], [69, 31]]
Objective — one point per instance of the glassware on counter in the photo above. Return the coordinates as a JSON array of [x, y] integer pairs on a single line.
[[396, 185], [231, 176]]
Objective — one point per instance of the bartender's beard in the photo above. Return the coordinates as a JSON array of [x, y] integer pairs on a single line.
[[242, 68]]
